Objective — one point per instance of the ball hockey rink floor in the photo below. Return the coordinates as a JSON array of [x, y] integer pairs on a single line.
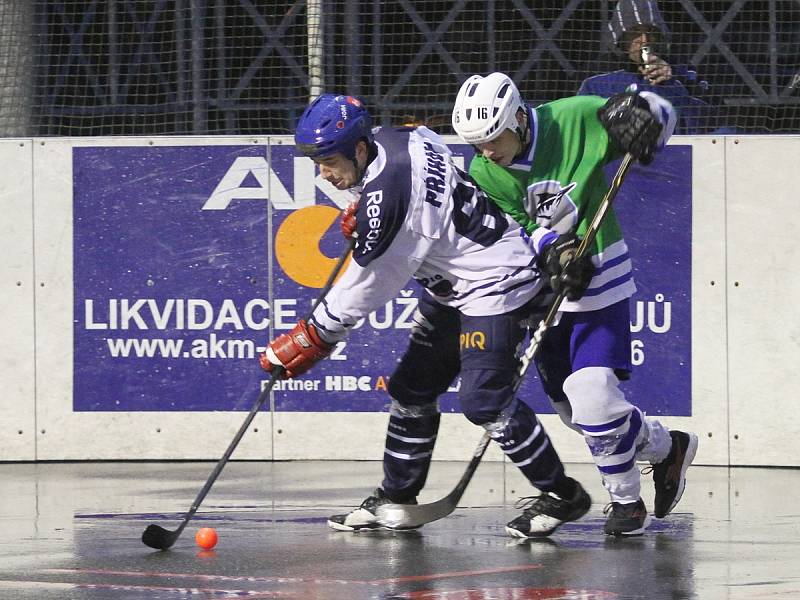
[[72, 531]]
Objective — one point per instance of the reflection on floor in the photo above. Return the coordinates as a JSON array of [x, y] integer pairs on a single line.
[[73, 531]]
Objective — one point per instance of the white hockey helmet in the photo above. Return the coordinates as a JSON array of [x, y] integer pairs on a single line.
[[485, 107]]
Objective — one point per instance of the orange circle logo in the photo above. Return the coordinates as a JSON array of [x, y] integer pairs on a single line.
[[297, 245]]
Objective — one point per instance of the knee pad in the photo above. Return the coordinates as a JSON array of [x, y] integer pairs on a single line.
[[598, 405], [485, 396], [486, 392], [497, 426], [413, 411], [602, 446]]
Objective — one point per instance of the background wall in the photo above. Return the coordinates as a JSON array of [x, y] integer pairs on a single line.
[[134, 245]]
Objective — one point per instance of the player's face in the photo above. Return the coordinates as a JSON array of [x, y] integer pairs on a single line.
[[340, 170], [501, 149]]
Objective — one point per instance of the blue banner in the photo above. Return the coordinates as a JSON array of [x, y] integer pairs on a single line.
[[188, 259]]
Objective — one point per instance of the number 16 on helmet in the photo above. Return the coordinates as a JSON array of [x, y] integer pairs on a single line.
[[485, 107]]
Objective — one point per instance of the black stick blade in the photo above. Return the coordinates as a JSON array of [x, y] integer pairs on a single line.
[[159, 538]]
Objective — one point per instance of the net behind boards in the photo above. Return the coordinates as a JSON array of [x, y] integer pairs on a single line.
[[159, 67]]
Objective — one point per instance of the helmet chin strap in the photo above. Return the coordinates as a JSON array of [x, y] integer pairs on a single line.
[[523, 133]]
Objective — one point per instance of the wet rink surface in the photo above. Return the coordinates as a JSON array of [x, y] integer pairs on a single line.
[[72, 530]]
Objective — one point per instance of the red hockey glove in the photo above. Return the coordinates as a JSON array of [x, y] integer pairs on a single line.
[[296, 351], [348, 222]]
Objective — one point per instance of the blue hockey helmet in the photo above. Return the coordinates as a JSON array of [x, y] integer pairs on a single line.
[[332, 124]]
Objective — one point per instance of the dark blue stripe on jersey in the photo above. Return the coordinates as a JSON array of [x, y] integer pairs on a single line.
[[513, 287], [481, 287], [497, 282], [607, 286], [385, 199], [320, 326], [470, 224], [547, 239], [328, 312], [613, 262], [333, 334]]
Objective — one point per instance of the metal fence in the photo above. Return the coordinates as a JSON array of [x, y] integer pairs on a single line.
[[149, 67]]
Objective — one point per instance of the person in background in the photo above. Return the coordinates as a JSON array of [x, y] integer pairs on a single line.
[[640, 34], [545, 167]]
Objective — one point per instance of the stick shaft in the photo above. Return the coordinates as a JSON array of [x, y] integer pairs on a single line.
[[229, 451], [262, 397]]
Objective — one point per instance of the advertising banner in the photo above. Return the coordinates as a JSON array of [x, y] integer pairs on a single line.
[[188, 259]]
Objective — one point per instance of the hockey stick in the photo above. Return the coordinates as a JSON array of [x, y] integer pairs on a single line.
[[159, 538], [404, 516]]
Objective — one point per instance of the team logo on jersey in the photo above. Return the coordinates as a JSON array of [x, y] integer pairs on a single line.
[[551, 206]]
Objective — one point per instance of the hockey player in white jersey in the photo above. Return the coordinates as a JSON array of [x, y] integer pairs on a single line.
[[420, 216]]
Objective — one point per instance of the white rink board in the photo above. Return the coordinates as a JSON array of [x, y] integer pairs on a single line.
[[763, 283], [709, 382], [754, 376], [17, 401]]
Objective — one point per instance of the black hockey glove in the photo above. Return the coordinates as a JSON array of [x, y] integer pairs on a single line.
[[565, 273], [630, 125]]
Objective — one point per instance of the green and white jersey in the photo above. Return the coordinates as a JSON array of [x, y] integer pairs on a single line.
[[557, 185]]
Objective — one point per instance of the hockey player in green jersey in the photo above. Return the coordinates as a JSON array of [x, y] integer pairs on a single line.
[[545, 167]]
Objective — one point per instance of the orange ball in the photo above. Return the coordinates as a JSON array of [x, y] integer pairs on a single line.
[[206, 537]]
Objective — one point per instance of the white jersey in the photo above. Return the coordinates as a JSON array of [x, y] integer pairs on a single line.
[[421, 216]]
